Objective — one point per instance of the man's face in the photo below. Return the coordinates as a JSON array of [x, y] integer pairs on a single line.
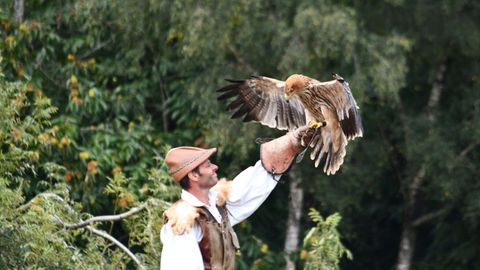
[[207, 174]]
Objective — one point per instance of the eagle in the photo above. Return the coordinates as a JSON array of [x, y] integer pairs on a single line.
[[329, 107]]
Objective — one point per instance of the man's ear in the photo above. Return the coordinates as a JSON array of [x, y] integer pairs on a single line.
[[193, 176]]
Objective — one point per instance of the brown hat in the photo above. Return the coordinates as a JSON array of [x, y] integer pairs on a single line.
[[182, 160]]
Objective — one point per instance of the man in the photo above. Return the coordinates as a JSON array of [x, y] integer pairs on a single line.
[[198, 230]]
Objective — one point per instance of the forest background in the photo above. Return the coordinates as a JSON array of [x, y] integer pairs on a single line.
[[93, 93]]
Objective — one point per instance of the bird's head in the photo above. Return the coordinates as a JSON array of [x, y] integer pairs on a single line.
[[294, 85]]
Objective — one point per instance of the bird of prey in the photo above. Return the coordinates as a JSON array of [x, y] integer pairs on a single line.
[[286, 105]]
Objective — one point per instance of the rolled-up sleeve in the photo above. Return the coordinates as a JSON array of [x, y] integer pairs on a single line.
[[248, 191], [181, 251]]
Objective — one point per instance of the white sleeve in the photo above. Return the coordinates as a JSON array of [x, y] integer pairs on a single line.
[[248, 191], [181, 251]]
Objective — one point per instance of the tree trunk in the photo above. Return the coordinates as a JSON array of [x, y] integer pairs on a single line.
[[295, 204], [407, 245], [407, 240], [19, 9]]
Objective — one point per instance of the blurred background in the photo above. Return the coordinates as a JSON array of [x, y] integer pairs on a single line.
[[93, 93]]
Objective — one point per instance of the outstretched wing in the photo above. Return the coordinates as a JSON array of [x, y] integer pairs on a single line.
[[261, 99], [338, 108], [337, 96]]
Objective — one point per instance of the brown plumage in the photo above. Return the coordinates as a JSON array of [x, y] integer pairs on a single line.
[[298, 101]]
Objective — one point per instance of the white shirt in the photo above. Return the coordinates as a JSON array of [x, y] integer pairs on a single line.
[[248, 191]]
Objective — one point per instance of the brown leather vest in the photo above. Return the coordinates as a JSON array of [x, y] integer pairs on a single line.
[[219, 241]]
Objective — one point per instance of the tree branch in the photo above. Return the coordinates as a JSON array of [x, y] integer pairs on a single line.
[[240, 59], [407, 240], [468, 149], [46, 195], [426, 218], [416, 183], [96, 48], [116, 242], [436, 92], [85, 223], [57, 84], [19, 10]]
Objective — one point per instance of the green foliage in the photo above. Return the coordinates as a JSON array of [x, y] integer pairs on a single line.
[[144, 227], [254, 252], [30, 235], [102, 128], [324, 243], [130, 78]]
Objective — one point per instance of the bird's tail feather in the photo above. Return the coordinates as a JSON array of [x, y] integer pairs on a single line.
[[330, 147]]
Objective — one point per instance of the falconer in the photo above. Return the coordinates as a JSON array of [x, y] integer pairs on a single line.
[[198, 230]]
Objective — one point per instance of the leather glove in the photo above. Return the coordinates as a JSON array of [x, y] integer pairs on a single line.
[[277, 155], [303, 136]]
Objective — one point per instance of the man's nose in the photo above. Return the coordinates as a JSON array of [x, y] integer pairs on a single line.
[[215, 168]]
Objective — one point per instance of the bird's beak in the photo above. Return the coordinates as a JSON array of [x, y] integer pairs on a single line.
[[287, 96]]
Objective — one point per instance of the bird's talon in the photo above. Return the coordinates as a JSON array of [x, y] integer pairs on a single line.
[[315, 124]]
